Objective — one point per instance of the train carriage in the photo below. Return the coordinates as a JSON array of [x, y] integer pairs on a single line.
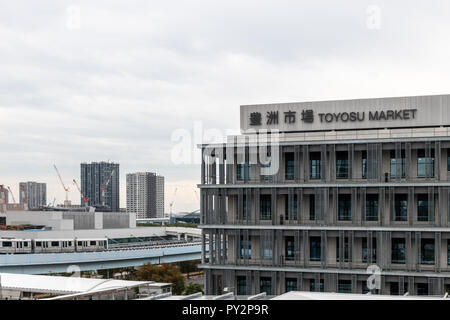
[[89, 245], [10, 245], [53, 245]]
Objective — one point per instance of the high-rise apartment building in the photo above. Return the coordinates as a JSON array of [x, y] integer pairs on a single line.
[[35, 194], [145, 194], [94, 177], [337, 192]]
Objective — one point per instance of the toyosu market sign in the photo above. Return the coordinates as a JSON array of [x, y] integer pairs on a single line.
[[274, 117]]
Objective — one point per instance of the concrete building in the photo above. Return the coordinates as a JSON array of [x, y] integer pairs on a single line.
[[35, 194], [337, 186], [145, 195], [94, 176]]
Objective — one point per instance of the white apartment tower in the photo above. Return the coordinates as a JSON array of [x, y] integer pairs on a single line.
[[145, 195]]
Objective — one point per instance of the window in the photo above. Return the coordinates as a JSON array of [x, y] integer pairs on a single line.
[[266, 285], [364, 164], [55, 244], [342, 165], [266, 171], [422, 209], [344, 207], [365, 250], [266, 207], [291, 284], [448, 252], [316, 287], [314, 165], [245, 248], [289, 166], [312, 207], [425, 165], [398, 164], [448, 159], [38, 244], [427, 251], [290, 248], [240, 170], [422, 289], [346, 250], [244, 207], [294, 214], [80, 243], [241, 286], [7, 244], [344, 286], [372, 207], [400, 207], [398, 251], [92, 243], [315, 249]]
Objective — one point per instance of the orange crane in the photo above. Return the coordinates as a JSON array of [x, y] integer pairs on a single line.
[[66, 189], [172, 202], [106, 186], [83, 197], [24, 199], [12, 195]]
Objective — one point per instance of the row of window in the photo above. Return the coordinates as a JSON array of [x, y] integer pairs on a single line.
[[400, 208], [344, 286], [398, 250], [425, 165]]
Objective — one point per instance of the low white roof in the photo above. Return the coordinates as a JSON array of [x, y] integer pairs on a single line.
[[307, 295], [62, 285]]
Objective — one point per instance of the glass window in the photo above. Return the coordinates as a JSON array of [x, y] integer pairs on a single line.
[[312, 286], [245, 248], [344, 207], [346, 249], [315, 165], [38, 244], [7, 244], [244, 207], [291, 284], [448, 252], [240, 171], [315, 249], [342, 165], [365, 250], [364, 164], [55, 244], [398, 164], [312, 207], [266, 207], [290, 248], [371, 207], [425, 165], [267, 250], [422, 289], [398, 251], [422, 209], [427, 251], [289, 166], [294, 214], [266, 171], [241, 286], [266, 285], [448, 159], [401, 207], [344, 286]]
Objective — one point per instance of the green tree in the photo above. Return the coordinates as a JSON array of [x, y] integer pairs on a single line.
[[189, 266], [165, 272], [192, 288]]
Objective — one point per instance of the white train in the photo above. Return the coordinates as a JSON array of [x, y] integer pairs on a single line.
[[10, 245]]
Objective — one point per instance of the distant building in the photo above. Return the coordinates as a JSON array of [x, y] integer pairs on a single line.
[[35, 194], [94, 176], [145, 194]]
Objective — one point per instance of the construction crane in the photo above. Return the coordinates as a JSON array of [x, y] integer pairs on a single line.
[[106, 186], [66, 189], [83, 197], [24, 199], [172, 202], [12, 195], [2, 199]]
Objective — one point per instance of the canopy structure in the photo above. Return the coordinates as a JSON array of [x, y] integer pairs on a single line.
[[63, 285]]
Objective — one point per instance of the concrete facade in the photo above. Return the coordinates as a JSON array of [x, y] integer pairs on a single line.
[[145, 195], [376, 192]]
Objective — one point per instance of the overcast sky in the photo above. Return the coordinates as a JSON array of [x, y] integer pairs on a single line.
[[115, 82]]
